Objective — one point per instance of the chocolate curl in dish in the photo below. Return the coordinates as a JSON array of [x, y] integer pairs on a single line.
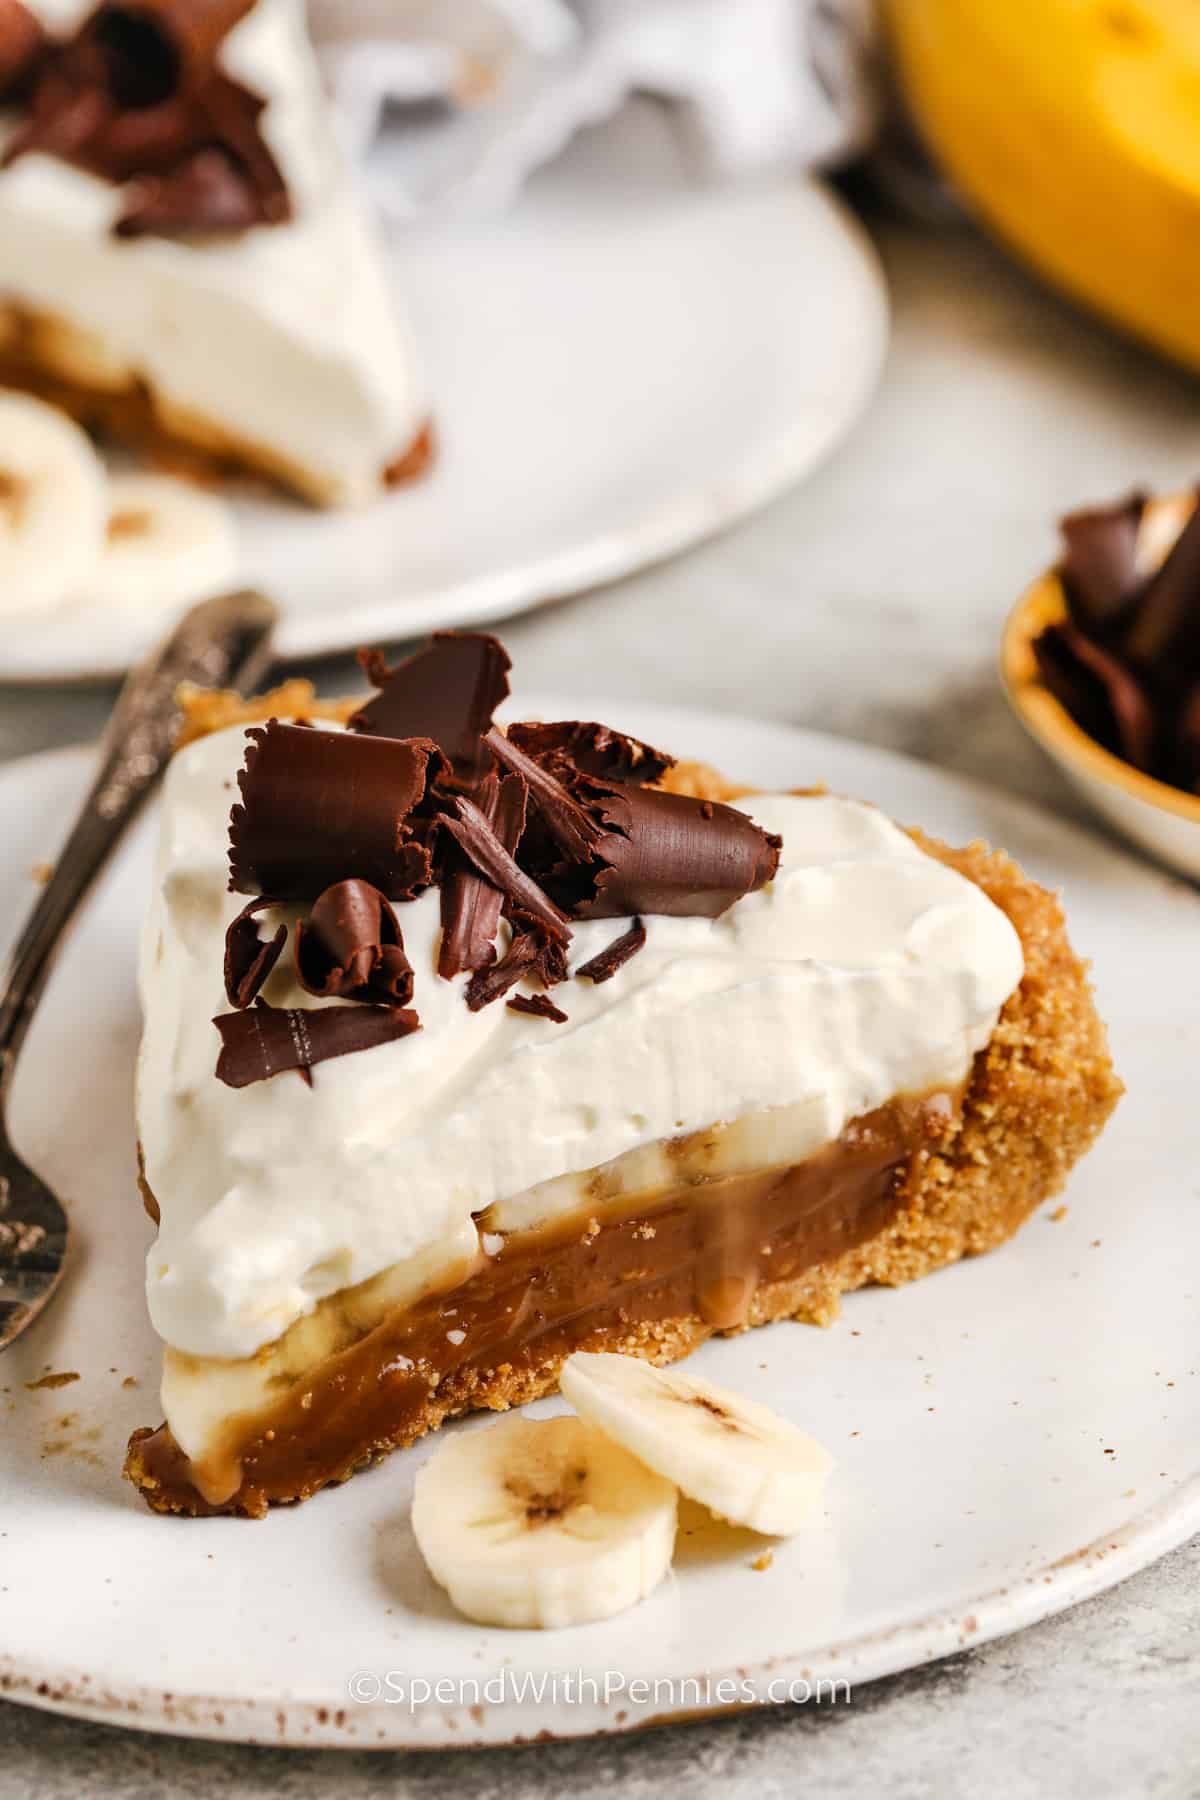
[[1101, 694], [268, 1040], [1163, 638], [471, 904], [447, 692], [592, 749], [1099, 565], [1187, 745], [248, 959], [321, 807], [21, 43], [351, 947]]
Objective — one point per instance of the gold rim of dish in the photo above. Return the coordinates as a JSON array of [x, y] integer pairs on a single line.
[[1049, 721]]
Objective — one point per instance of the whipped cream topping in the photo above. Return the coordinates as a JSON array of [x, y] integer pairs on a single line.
[[285, 336], [865, 970]]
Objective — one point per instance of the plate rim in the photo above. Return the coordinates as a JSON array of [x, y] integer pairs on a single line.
[[994, 1612]]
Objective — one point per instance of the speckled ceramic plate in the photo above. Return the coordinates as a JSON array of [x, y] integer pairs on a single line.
[[623, 365], [1011, 1434]]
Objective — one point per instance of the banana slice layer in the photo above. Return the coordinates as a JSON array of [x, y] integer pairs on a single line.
[[734, 1456]]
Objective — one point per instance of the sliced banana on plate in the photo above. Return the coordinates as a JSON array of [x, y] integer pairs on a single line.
[[53, 505], [165, 543], [737, 1458], [542, 1522]]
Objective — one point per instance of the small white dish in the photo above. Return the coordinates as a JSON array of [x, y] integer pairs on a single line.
[[1160, 819], [1010, 1435]]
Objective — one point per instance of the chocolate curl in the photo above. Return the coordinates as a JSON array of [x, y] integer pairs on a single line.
[[1102, 696], [471, 905], [592, 749], [539, 1006], [1163, 638], [614, 956], [471, 831], [319, 807], [447, 692], [268, 1040], [351, 947], [248, 960], [21, 44], [1099, 566], [665, 853]]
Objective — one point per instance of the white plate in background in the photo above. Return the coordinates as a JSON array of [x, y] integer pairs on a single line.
[[624, 364]]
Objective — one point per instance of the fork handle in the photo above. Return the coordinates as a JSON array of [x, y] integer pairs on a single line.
[[220, 643]]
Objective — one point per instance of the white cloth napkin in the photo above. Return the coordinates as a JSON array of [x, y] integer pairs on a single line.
[[476, 94]]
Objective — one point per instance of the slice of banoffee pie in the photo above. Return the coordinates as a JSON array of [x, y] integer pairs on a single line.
[[469, 1048]]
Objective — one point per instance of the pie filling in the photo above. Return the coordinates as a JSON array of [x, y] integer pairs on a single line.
[[363, 1374]]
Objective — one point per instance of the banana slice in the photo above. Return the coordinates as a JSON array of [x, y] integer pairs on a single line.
[[542, 1522], [52, 505], [166, 543], [737, 1458]]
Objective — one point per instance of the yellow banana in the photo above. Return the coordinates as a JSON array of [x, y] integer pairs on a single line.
[[1073, 126]]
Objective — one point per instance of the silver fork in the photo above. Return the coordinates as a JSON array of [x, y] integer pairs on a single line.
[[220, 643]]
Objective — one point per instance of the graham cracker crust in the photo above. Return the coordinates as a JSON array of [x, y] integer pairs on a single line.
[[1036, 1099], [36, 355]]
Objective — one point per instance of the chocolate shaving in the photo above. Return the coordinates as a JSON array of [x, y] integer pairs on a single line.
[[1099, 566], [569, 824], [1099, 692], [539, 1006], [531, 952], [470, 829], [592, 749], [248, 960], [351, 947], [447, 692], [137, 94], [21, 43], [471, 904], [267, 1040], [320, 807], [615, 955]]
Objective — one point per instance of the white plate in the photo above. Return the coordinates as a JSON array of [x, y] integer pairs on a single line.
[[623, 365], [1010, 1435]]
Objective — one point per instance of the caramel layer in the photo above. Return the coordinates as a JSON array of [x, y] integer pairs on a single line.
[[699, 1251], [128, 412]]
